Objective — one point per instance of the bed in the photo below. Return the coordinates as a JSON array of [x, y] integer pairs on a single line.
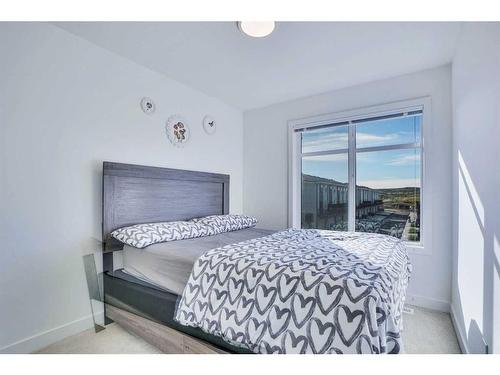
[[248, 290]]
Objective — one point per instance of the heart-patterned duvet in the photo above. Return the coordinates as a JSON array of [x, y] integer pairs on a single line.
[[302, 291]]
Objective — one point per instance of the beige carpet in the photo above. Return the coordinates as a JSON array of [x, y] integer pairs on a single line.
[[429, 332], [426, 332]]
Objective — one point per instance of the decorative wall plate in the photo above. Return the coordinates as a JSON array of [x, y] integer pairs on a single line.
[[148, 106], [177, 130], [209, 124]]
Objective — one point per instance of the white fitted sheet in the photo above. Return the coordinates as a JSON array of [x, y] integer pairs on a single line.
[[169, 264]]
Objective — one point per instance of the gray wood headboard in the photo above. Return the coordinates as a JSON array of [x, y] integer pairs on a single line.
[[134, 194]]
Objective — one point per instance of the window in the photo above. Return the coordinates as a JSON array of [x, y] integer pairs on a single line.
[[360, 171]]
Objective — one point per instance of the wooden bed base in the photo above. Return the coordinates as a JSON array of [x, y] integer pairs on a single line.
[[166, 339]]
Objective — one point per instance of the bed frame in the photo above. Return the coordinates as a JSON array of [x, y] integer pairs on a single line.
[[134, 194]]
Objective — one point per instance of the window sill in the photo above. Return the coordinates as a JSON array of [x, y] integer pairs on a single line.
[[418, 249]]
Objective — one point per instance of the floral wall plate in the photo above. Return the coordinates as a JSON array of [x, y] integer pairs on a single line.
[[177, 130], [148, 106], [209, 124]]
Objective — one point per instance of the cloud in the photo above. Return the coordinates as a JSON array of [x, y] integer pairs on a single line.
[[388, 183], [321, 142], [327, 158], [335, 141], [405, 160], [372, 138]]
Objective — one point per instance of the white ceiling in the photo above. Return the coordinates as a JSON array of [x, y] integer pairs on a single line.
[[298, 59]]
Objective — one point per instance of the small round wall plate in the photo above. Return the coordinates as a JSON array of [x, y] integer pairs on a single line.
[[209, 124], [177, 130], [148, 106]]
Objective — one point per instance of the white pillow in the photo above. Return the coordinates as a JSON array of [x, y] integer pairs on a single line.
[[226, 223], [142, 235]]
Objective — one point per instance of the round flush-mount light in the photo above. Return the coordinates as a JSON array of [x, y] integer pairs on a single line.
[[256, 29]]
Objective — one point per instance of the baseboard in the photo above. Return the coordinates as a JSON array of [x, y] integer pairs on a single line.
[[462, 341], [428, 303], [43, 339]]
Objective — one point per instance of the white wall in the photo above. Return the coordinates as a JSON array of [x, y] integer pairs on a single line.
[[65, 106], [476, 184], [266, 166]]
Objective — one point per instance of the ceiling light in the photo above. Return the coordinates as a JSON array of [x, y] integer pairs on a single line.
[[256, 29]]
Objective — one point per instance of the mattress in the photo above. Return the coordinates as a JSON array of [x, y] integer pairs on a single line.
[[168, 265]]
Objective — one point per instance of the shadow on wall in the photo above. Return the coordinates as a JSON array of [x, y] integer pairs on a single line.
[[475, 339], [480, 336], [93, 273]]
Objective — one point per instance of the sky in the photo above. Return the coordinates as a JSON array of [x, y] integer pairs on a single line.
[[375, 169]]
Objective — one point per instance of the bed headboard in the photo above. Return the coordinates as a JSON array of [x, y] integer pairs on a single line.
[[134, 194]]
